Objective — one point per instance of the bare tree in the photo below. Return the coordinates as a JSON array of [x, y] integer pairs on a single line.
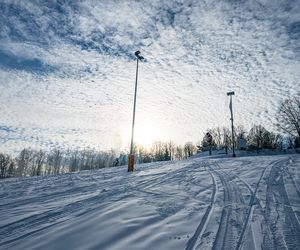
[[217, 136], [179, 153], [158, 151], [83, 160], [171, 148], [54, 161], [221, 137], [259, 137], [189, 149], [74, 162], [11, 169], [23, 161], [288, 117], [5, 161], [40, 157], [144, 154]]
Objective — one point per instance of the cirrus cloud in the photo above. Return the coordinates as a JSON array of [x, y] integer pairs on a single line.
[[67, 68]]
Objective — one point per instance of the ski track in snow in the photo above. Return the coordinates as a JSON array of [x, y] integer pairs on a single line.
[[284, 235], [250, 210], [232, 213], [202, 226], [202, 203]]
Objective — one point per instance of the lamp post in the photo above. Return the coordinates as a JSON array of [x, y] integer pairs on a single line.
[[131, 154], [232, 127]]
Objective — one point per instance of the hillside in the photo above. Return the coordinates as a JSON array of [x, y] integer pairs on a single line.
[[200, 203]]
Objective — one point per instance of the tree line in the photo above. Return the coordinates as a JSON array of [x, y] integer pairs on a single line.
[[258, 137], [31, 162], [164, 151]]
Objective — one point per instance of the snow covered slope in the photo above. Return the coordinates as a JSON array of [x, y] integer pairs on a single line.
[[201, 203]]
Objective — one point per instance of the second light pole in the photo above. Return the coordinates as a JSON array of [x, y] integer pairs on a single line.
[[131, 154], [232, 127]]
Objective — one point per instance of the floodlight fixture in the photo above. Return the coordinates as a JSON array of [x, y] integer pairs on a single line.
[[138, 56]]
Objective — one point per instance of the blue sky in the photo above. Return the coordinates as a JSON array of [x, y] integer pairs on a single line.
[[67, 69]]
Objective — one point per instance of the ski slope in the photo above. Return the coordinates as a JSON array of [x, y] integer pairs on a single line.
[[250, 202]]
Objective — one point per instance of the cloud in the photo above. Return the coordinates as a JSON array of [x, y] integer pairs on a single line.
[[12, 61], [69, 66]]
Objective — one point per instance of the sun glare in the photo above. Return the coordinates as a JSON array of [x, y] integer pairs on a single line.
[[145, 133]]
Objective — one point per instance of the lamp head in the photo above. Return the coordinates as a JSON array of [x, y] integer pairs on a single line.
[[230, 93], [138, 55]]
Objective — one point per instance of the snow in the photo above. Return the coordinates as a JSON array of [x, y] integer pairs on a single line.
[[218, 202]]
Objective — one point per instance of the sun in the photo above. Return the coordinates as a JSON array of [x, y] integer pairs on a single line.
[[146, 133]]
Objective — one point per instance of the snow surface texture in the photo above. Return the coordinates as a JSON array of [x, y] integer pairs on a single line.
[[67, 68], [250, 202]]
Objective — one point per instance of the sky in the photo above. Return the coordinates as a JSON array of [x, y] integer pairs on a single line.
[[67, 69]]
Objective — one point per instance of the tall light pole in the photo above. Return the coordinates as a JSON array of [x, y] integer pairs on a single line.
[[232, 127], [131, 155]]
